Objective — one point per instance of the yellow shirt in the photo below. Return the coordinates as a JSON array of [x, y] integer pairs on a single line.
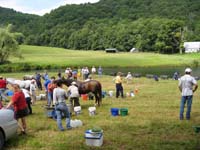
[[118, 79]]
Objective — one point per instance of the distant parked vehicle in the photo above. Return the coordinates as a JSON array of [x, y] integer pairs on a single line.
[[8, 125], [111, 50]]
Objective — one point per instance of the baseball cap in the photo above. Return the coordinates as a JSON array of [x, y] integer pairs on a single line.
[[188, 70]]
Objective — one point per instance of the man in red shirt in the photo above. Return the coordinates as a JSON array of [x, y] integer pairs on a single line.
[[3, 84], [18, 101]]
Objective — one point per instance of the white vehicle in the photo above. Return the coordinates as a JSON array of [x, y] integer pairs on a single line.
[[8, 125]]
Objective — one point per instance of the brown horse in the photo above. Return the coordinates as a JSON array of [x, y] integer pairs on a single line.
[[92, 86]]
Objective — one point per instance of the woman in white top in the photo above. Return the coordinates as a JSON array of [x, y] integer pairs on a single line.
[[28, 99], [33, 91]]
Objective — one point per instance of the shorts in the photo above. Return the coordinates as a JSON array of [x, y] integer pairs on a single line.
[[21, 113]]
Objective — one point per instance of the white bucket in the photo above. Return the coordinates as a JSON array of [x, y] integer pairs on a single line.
[[92, 111], [77, 110], [110, 93], [38, 98], [132, 94], [42, 96]]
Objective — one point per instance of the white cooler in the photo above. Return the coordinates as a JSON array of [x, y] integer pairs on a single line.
[[93, 139]]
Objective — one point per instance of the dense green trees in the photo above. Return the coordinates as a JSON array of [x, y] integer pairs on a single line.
[[149, 25], [8, 45]]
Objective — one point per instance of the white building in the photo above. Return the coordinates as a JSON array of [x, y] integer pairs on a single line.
[[192, 47]]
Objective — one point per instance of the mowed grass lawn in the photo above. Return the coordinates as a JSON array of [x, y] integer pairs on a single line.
[[39, 55], [152, 122]]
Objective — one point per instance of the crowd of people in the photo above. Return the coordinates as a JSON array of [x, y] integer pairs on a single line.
[[23, 98]]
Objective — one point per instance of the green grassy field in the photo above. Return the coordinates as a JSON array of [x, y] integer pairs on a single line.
[[38, 55], [152, 123]]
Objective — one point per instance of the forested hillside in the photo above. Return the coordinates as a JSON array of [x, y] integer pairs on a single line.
[[149, 25]]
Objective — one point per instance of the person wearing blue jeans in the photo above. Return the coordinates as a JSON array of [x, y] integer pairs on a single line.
[[188, 100], [59, 96], [61, 109], [187, 86]]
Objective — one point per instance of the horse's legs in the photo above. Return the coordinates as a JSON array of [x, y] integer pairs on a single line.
[[96, 99]]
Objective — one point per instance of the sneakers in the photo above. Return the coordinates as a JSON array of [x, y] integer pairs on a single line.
[[69, 128], [62, 129]]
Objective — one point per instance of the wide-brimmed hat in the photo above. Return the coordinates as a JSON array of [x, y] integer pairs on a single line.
[[73, 83], [188, 70]]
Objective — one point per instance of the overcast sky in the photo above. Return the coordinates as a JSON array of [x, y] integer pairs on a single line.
[[39, 7]]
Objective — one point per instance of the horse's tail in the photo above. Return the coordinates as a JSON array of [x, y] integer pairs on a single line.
[[100, 94], [100, 91]]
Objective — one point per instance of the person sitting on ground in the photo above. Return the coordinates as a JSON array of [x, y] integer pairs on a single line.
[[73, 93], [20, 106], [129, 78], [59, 96]]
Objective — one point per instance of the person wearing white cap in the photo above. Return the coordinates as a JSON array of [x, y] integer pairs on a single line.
[[187, 86], [73, 93]]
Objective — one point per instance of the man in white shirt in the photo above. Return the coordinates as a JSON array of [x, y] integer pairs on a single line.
[[187, 86], [73, 94]]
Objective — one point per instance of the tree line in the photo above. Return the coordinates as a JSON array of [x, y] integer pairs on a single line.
[[156, 26]]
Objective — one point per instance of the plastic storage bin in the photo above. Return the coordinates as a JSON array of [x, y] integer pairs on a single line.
[[93, 139]]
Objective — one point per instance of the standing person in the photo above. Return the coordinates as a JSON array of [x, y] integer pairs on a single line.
[[93, 70], [129, 78], [46, 82], [50, 88], [3, 84], [38, 80], [73, 93], [59, 74], [100, 71], [74, 74], [28, 99], [79, 73], [118, 84], [20, 107], [59, 96], [45, 75], [33, 91], [187, 86]]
